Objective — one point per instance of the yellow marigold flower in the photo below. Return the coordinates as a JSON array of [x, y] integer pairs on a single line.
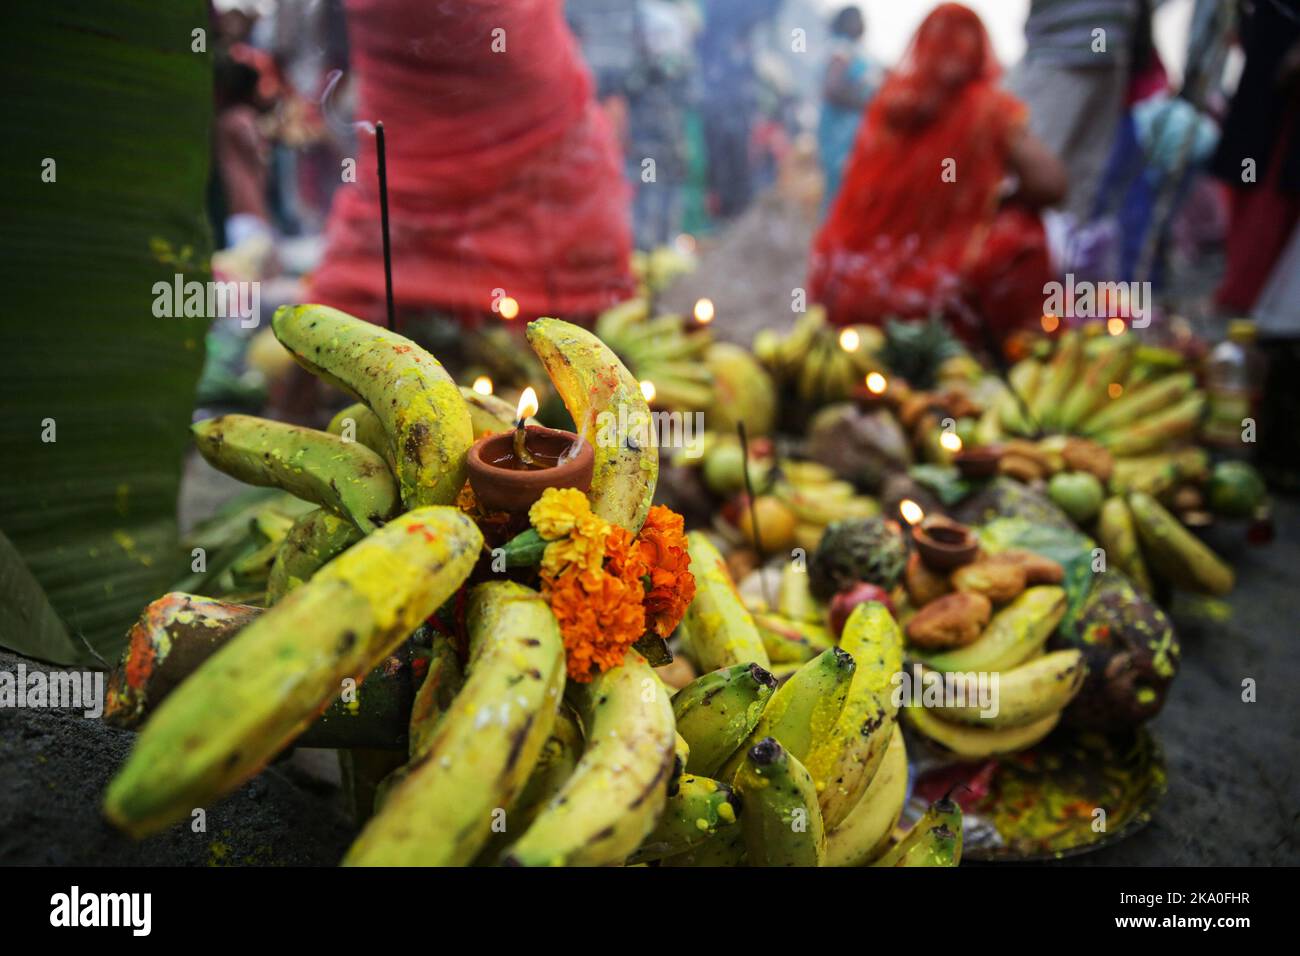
[[557, 511]]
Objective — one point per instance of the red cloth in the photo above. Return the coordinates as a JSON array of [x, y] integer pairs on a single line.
[[901, 240], [502, 170]]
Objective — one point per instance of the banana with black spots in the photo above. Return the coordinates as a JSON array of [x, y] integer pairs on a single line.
[[421, 408], [779, 816], [484, 747], [718, 710], [269, 682], [978, 743], [863, 835], [935, 840], [610, 412], [614, 797], [720, 629], [345, 477], [697, 810], [315, 539]]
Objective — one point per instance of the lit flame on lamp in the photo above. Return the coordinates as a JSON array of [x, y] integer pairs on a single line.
[[648, 390], [704, 311], [850, 340], [877, 383], [912, 512], [1050, 322], [527, 407], [483, 385], [950, 441], [508, 308], [1115, 326]]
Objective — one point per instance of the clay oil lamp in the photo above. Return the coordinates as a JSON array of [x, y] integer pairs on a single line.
[[943, 544], [509, 470], [978, 463], [874, 393]]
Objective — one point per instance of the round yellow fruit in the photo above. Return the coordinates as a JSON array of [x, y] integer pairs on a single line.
[[776, 524]]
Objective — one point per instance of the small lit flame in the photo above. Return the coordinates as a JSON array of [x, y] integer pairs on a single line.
[[685, 244], [1114, 389], [1115, 326], [877, 383], [483, 385], [508, 308], [648, 390], [951, 441], [850, 340], [704, 311], [527, 405], [912, 512], [1050, 323]]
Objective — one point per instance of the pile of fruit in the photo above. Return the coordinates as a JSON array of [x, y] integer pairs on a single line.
[[511, 752], [817, 362]]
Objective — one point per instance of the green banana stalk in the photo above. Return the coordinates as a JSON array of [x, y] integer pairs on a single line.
[[468, 775], [716, 712], [315, 539], [1117, 534], [1016, 633], [696, 812], [618, 790], [421, 408], [345, 477], [935, 840], [779, 817], [720, 628], [1175, 553], [263, 688]]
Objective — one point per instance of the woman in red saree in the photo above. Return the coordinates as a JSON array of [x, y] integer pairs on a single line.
[[924, 223], [504, 177]]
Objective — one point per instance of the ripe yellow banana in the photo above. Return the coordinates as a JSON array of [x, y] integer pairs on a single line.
[[1026, 694], [721, 630], [484, 748], [1015, 634], [864, 833], [615, 796], [844, 760], [609, 410], [421, 408], [977, 743], [267, 685]]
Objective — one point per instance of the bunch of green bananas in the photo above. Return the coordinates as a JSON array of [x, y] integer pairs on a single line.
[[662, 350], [1132, 399], [818, 762], [820, 363]]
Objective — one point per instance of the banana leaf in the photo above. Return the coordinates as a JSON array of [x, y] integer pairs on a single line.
[[102, 180]]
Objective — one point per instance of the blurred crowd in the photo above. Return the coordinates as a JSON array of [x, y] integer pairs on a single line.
[[535, 144]]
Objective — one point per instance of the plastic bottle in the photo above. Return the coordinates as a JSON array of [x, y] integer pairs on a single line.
[[1234, 380]]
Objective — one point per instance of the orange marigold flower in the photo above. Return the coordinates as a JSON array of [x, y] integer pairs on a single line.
[[662, 543], [600, 617]]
